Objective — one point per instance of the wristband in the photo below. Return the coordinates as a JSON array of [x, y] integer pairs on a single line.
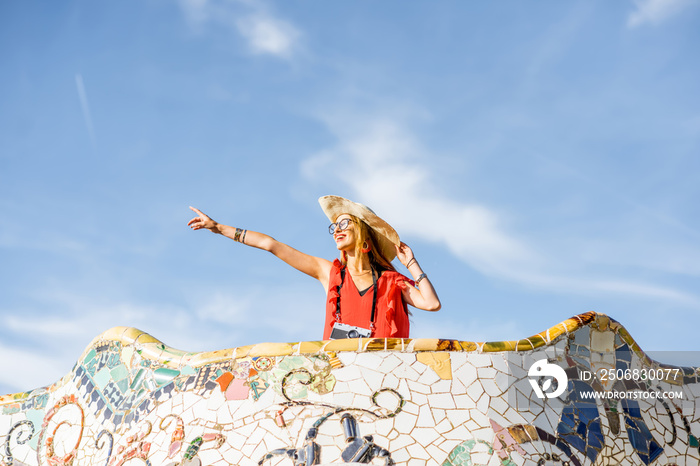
[[420, 277]]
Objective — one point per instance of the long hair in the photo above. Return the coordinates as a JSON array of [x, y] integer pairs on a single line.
[[365, 236]]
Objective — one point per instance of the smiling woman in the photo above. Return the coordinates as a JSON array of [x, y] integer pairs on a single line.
[[366, 296]]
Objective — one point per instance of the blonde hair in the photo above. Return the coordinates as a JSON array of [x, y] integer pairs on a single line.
[[365, 235]]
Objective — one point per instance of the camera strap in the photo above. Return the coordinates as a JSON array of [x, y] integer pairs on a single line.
[[374, 300]]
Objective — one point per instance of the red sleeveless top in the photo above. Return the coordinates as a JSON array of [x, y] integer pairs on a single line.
[[391, 319]]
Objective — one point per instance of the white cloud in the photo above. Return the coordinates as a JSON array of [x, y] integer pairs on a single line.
[[383, 166], [264, 33], [267, 35], [655, 11], [388, 170], [24, 370], [196, 11]]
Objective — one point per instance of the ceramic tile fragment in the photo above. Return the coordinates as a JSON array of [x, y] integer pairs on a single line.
[[389, 363], [464, 401], [485, 373], [425, 417], [439, 362], [411, 407], [442, 386], [475, 390], [480, 417], [490, 387], [465, 374], [438, 415], [417, 387], [417, 462], [417, 451], [401, 455], [401, 442], [419, 399], [368, 360], [406, 423], [441, 401], [407, 372], [443, 426], [458, 416]]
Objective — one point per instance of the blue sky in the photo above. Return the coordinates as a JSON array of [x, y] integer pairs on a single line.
[[541, 158]]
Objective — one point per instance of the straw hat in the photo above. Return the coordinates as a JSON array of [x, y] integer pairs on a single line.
[[333, 206]]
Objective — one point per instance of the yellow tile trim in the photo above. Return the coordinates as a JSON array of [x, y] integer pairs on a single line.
[[152, 348]]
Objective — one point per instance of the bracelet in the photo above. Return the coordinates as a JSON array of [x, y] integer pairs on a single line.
[[243, 236], [420, 277], [237, 235], [413, 259]]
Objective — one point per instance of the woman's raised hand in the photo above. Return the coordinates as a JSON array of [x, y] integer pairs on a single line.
[[202, 221], [404, 254]]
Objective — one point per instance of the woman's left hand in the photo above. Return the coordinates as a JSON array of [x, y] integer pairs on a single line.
[[404, 253], [424, 297]]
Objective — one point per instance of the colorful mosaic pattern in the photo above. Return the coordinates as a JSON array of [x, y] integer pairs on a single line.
[[132, 400]]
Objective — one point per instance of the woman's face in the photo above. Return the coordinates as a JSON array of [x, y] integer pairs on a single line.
[[344, 239]]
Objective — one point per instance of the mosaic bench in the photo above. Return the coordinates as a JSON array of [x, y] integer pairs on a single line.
[[130, 399]]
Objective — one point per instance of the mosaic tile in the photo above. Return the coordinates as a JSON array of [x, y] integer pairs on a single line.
[[406, 424], [464, 401], [440, 363], [416, 451], [442, 386], [491, 388], [475, 390], [425, 417], [388, 364]]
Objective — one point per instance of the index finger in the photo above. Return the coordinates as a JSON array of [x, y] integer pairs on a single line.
[[196, 210]]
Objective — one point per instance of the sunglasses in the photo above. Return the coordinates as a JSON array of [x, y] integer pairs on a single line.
[[341, 225]]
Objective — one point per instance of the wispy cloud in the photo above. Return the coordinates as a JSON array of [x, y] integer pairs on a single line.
[[264, 32], [24, 369], [85, 105], [386, 167], [656, 11], [196, 11], [267, 35]]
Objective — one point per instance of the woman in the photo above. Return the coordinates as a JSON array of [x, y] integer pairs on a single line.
[[366, 295]]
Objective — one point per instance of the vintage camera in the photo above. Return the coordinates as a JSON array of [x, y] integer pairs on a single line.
[[341, 330]]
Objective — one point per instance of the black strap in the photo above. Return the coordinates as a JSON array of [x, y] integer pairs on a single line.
[[374, 298], [337, 300]]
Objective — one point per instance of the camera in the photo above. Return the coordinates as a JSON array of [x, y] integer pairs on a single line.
[[341, 330]]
